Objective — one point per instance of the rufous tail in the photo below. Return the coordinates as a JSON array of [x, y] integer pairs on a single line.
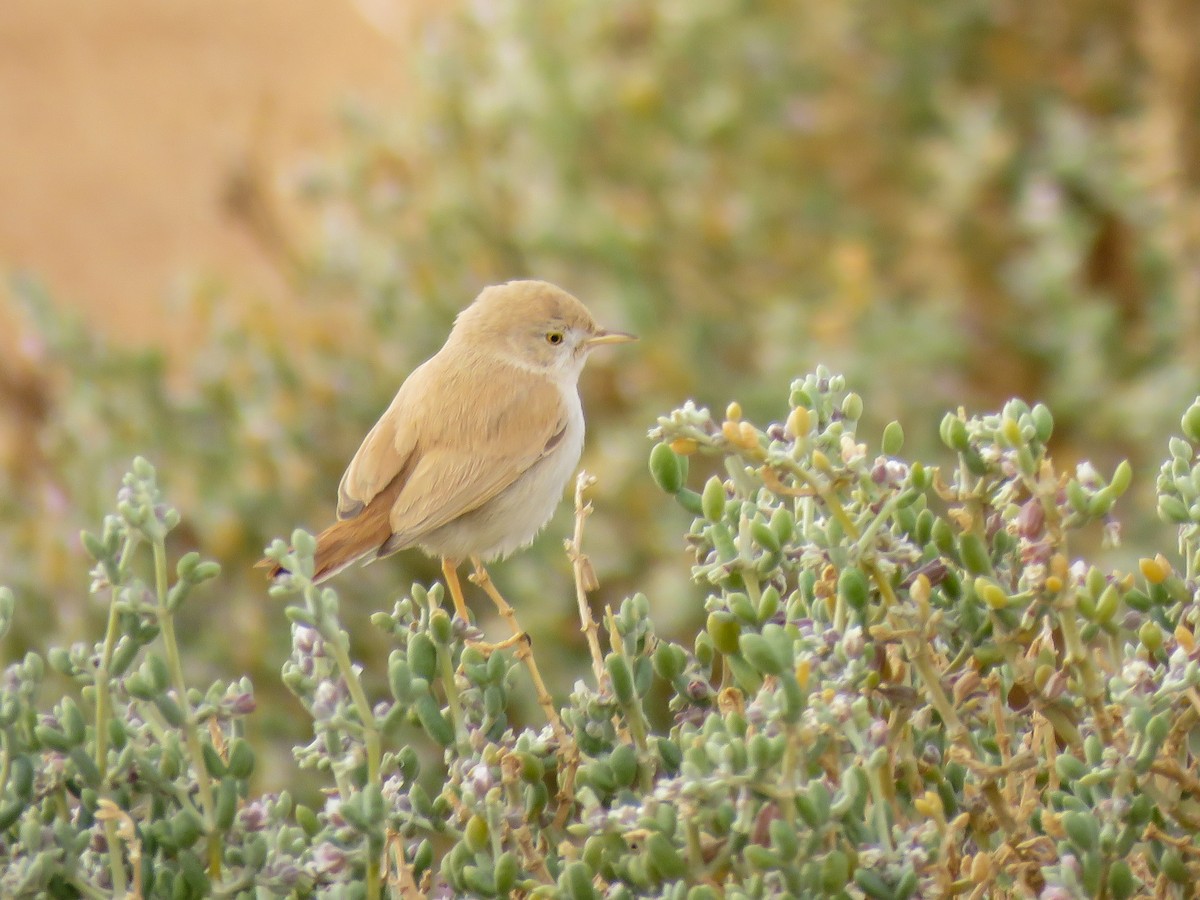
[[341, 544]]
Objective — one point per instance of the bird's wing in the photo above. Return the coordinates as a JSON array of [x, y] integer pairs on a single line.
[[479, 448], [456, 442], [388, 451]]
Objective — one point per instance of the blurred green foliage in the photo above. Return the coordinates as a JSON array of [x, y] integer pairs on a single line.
[[951, 202]]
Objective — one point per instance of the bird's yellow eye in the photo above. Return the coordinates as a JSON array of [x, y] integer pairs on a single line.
[[554, 337]]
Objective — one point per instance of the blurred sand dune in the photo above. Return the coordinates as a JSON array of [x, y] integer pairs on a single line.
[[123, 123]]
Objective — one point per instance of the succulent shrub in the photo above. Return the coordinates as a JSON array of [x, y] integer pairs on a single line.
[[971, 709], [950, 201], [906, 684]]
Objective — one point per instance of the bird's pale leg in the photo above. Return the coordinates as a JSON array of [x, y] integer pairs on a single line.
[[523, 652], [450, 573]]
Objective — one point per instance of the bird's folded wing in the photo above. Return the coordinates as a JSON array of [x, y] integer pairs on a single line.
[[466, 453], [457, 476], [385, 453]]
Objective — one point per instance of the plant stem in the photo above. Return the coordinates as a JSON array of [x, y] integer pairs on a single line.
[[581, 568], [361, 705], [822, 489], [460, 738], [883, 829], [1078, 657], [336, 642], [103, 713], [166, 621], [103, 688], [918, 653], [638, 727], [789, 768]]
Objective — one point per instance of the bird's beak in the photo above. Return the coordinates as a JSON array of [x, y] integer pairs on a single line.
[[609, 337]]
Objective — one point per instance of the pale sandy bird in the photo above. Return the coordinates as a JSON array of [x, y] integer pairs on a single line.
[[471, 458]]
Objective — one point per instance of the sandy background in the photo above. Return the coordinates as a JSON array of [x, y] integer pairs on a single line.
[[127, 126]]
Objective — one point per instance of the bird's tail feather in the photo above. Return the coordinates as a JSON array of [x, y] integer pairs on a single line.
[[349, 540], [340, 545]]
